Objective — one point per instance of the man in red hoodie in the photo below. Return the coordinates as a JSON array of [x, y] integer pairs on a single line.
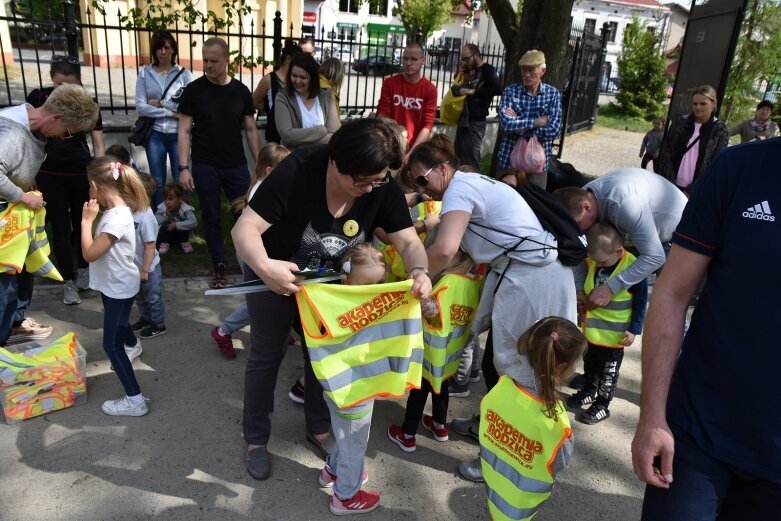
[[410, 99]]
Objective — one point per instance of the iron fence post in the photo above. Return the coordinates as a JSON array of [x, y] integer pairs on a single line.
[[277, 45], [71, 32], [600, 66]]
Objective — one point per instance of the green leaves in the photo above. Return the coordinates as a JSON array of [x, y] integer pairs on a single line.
[[641, 67]]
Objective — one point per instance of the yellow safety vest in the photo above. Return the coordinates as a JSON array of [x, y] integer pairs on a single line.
[[363, 341], [394, 262], [605, 326], [42, 379], [518, 445], [23, 241], [445, 336]]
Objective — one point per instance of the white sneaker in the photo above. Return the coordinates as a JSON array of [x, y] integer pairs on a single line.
[[82, 278], [133, 352], [70, 293], [124, 407]]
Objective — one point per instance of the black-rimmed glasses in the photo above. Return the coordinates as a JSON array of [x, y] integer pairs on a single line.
[[422, 180], [466, 58], [59, 58], [374, 184]]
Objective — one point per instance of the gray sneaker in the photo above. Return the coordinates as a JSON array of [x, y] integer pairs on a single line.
[[471, 470], [70, 293], [467, 426], [124, 407], [82, 278]]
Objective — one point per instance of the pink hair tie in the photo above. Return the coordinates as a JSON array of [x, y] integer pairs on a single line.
[[114, 166], [555, 336]]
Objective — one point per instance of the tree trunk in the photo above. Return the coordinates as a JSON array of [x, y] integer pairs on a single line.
[[545, 26]]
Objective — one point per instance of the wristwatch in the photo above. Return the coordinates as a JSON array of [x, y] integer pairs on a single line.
[[182, 168], [421, 268]]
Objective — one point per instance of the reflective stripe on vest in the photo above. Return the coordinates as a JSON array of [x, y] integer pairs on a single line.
[[363, 341], [518, 445], [445, 335], [606, 326]]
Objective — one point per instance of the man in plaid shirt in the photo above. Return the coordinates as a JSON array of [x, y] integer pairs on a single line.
[[530, 108]]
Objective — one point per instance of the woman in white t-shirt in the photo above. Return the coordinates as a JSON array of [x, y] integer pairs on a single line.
[[305, 114], [113, 271], [495, 226]]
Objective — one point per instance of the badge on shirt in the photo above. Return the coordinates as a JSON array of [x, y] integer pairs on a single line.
[[350, 228]]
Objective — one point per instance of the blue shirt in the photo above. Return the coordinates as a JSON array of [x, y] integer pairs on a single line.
[[527, 108], [724, 391]]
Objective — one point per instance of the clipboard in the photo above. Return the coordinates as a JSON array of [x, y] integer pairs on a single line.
[[257, 286]]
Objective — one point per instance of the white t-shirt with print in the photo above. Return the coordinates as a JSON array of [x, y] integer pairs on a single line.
[[114, 273], [499, 216], [146, 227]]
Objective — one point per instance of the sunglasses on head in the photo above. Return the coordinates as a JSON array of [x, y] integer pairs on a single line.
[[58, 58]]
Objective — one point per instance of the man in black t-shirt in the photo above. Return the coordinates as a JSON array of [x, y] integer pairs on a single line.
[[707, 402], [480, 88], [213, 110]]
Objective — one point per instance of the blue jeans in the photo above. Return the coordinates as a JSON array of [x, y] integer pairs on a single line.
[[24, 295], [160, 145], [351, 428], [116, 335], [8, 302], [150, 298], [706, 489], [209, 180]]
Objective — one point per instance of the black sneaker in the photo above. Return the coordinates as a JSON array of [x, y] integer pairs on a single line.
[[152, 330], [580, 399], [594, 414], [297, 393], [138, 326]]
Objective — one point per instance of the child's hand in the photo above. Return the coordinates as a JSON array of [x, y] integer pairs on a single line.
[[90, 211], [171, 226], [628, 339]]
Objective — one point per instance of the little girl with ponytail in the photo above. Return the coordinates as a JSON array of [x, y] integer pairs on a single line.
[[113, 273], [525, 435]]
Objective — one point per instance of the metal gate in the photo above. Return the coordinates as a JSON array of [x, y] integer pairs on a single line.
[[582, 92]]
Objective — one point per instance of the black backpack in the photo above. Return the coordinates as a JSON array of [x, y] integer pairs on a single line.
[[557, 219]]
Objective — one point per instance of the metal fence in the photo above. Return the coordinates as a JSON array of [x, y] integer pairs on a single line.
[[367, 58]]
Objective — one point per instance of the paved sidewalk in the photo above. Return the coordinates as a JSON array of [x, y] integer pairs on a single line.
[[183, 461]]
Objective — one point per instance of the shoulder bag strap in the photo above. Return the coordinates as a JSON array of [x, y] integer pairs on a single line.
[[172, 82]]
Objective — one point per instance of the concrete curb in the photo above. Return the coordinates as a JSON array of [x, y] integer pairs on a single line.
[[171, 284]]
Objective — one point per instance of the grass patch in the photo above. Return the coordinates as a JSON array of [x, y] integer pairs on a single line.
[[610, 116], [175, 263]]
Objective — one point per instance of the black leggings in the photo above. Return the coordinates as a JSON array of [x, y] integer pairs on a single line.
[[490, 374], [417, 401], [65, 196], [601, 366], [271, 317]]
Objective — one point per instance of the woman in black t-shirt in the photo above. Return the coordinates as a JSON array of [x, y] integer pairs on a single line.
[[62, 179], [320, 201]]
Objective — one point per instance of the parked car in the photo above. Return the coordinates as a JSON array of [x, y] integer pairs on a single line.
[[376, 65]]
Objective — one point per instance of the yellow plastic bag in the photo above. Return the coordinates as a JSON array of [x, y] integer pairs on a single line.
[[452, 106]]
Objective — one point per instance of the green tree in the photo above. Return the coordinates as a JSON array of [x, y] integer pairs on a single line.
[[424, 15], [163, 14], [757, 59], [641, 66]]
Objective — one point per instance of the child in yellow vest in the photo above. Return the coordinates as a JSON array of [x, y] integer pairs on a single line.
[[525, 435], [404, 435], [363, 264], [608, 329]]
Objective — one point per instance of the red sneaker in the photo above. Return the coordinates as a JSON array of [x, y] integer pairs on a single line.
[[360, 503], [396, 435], [327, 479], [224, 343], [440, 434]]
